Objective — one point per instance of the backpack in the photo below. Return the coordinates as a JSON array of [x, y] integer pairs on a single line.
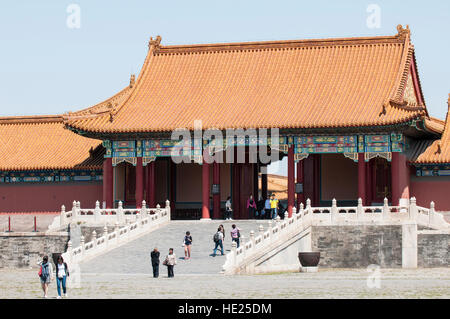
[[216, 237], [44, 272]]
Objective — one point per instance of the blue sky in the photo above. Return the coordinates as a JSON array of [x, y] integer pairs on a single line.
[[48, 68]]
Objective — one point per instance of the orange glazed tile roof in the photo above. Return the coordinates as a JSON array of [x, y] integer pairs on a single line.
[[42, 142], [439, 150], [347, 82]]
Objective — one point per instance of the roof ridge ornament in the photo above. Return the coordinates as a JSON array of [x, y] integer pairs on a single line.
[[403, 32], [448, 101], [132, 80], [155, 43]]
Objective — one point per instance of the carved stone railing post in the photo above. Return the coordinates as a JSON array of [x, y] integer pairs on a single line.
[[359, 210], [413, 211], [168, 208], [334, 211], [252, 238], [308, 206], [431, 214], [74, 211], [386, 212], [301, 209], [261, 231], [233, 252], [278, 225], [97, 213], [158, 212], [143, 212], [62, 218], [120, 215]]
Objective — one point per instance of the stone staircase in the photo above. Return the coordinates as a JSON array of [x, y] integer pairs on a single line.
[[134, 257]]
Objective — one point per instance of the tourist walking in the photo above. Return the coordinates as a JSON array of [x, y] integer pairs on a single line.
[[170, 262], [235, 234], [251, 207], [62, 272], [45, 274], [154, 256], [228, 209], [260, 212], [187, 242], [218, 240], [222, 229], [273, 206], [267, 208]]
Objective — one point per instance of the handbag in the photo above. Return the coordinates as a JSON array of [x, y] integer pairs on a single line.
[[165, 262], [40, 272]]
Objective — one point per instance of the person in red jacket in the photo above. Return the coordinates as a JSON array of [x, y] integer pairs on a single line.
[[251, 206]]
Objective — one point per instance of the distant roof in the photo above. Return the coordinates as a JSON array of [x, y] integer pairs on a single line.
[[323, 83], [438, 151], [42, 143]]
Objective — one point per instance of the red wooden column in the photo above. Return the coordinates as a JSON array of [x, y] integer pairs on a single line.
[[236, 200], [291, 180], [151, 198], [216, 197], [108, 182], [400, 178], [205, 190], [139, 183], [362, 178], [316, 178], [264, 182], [300, 180]]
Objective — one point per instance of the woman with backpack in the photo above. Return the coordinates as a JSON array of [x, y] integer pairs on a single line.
[[218, 240], [187, 241], [222, 229], [62, 272], [45, 274]]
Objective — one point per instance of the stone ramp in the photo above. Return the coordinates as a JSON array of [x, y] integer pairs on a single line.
[[134, 257]]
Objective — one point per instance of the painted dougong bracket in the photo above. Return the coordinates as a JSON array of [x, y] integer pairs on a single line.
[[385, 155], [118, 160]]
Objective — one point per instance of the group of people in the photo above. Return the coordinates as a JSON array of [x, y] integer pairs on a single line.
[[262, 209], [219, 238], [46, 275], [171, 260]]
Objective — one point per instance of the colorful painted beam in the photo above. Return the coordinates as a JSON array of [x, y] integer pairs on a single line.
[[50, 176], [372, 145], [433, 170]]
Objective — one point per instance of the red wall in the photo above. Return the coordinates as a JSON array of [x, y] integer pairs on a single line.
[[427, 189], [48, 197]]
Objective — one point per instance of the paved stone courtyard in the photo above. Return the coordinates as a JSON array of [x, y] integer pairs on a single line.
[[126, 273], [345, 283]]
